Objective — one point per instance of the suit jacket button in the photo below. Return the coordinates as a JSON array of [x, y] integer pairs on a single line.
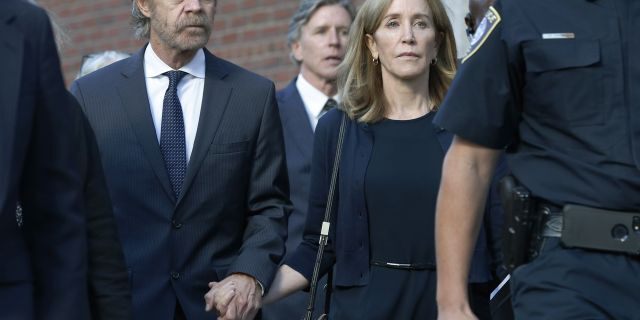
[[176, 224], [175, 275]]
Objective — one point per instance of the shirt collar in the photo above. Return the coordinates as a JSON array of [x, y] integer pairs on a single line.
[[154, 66], [313, 98]]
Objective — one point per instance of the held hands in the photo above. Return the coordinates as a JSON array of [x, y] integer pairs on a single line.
[[237, 297]]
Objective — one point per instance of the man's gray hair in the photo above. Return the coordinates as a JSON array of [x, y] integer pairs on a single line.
[[142, 24], [306, 9]]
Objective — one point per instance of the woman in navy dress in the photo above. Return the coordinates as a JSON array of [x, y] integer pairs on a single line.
[[400, 61]]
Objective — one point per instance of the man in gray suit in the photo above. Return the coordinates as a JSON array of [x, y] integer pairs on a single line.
[[193, 156]]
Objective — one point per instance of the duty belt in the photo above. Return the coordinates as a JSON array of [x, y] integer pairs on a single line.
[[590, 228]]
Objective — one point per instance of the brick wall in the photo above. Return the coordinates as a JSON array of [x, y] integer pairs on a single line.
[[251, 33]]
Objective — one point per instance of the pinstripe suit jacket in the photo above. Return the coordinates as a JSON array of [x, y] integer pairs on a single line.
[[231, 215]]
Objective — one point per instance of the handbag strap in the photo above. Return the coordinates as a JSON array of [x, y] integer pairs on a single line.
[[326, 224]]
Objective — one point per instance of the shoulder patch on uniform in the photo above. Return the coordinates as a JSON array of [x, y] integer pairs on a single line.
[[485, 28]]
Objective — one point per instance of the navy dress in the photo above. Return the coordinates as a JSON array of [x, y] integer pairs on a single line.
[[401, 187]]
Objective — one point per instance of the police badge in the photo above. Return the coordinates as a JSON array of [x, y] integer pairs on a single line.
[[487, 25]]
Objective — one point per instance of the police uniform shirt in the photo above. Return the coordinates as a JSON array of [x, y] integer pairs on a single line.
[[556, 83]]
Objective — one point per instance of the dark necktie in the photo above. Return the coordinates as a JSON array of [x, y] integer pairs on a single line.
[[172, 143], [330, 104]]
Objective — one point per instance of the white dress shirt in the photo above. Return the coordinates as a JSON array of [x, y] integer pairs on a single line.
[[313, 99], [190, 90]]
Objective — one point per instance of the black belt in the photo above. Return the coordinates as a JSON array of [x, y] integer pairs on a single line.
[[403, 266], [591, 228]]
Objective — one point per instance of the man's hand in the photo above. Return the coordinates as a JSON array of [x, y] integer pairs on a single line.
[[237, 297]]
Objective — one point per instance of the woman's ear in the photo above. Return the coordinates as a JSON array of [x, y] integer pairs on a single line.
[[371, 45], [439, 40]]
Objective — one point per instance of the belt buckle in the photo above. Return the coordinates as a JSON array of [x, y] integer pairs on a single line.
[[399, 265], [551, 222], [553, 227]]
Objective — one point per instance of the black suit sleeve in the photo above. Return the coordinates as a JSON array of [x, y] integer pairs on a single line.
[[51, 183], [268, 201]]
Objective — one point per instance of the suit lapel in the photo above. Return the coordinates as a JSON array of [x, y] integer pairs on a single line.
[[296, 121], [214, 103], [133, 94]]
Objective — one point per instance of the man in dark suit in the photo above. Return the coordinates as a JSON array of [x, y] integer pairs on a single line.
[[317, 38], [193, 156], [43, 265]]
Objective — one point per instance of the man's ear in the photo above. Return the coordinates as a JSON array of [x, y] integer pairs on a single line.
[[371, 45], [296, 50], [145, 7]]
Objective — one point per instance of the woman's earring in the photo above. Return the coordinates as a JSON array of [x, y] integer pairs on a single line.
[[434, 61], [376, 61]]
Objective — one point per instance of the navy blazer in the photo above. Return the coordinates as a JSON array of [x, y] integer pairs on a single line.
[[348, 245], [43, 265], [230, 216]]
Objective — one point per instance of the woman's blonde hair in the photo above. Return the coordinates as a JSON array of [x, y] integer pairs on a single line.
[[360, 79]]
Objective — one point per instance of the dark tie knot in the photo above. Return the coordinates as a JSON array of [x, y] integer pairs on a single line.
[[174, 77], [330, 104]]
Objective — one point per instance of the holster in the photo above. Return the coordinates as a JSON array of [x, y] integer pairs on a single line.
[[521, 238]]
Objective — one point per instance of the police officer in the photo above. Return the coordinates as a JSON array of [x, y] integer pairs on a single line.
[[556, 84]]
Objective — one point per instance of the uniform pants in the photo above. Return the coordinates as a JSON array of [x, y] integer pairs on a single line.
[[564, 283]]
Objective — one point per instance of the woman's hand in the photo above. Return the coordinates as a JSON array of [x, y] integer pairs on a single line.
[[286, 282]]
